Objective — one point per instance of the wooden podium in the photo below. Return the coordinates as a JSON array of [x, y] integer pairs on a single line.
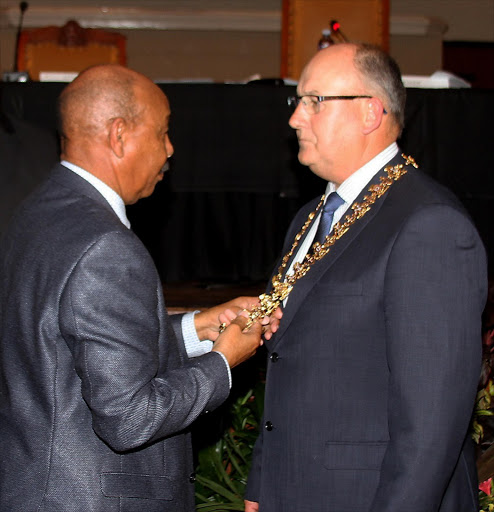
[[303, 20]]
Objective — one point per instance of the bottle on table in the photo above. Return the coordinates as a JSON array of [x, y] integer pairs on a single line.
[[326, 39]]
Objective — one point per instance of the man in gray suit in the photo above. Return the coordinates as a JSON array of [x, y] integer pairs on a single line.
[[97, 383], [373, 372]]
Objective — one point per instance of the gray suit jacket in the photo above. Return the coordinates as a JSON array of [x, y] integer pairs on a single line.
[[372, 375], [96, 390]]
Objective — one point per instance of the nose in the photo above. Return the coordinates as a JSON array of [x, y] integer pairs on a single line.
[[169, 147], [297, 117]]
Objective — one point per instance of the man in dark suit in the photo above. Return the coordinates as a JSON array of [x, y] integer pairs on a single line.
[[372, 374], [97, 383]]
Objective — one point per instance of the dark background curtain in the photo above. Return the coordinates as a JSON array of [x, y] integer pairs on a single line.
[[221, 213]]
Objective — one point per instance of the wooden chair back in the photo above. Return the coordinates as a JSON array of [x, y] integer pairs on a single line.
[[70, 48]]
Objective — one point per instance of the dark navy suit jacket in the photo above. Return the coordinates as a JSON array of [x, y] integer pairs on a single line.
[[96, 390], [372, 375]]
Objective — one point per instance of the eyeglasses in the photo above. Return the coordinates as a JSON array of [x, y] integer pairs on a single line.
[[312, 102]]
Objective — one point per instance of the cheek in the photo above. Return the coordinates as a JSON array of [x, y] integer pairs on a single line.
[[323, 128], [156, 154], [321, 135], [330, 133]]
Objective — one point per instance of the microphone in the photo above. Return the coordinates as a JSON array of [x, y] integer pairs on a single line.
[[337, 33], [23, 8]]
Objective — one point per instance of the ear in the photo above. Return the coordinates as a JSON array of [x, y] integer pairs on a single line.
[[373, 114], [117, 134]]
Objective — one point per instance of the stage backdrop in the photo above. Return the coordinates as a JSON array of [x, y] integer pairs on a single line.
[[221, 213]]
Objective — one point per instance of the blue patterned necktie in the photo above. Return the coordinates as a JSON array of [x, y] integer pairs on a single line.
[[333, 202]]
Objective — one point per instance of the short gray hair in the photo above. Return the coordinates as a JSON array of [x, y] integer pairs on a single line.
[[381, 72]]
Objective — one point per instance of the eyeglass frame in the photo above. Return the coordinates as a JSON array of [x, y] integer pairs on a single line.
[[295, 100]]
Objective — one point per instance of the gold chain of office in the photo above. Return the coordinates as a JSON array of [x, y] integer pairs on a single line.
[[268, 302]]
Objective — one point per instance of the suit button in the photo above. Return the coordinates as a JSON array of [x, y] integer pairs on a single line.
[[192, 478], [268, 426], [274, 357]]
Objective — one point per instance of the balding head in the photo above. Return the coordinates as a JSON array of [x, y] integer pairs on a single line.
[[351, 109], [114, 124], [372, 67], [98, 95]]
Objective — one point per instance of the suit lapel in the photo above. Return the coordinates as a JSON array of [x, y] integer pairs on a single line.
[[293, 233], [305, 284]]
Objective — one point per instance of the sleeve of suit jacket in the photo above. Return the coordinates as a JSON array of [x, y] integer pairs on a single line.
[[135, 375], [433, 291]]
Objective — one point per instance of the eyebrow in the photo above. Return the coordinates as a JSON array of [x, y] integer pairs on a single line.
[[309, 93]]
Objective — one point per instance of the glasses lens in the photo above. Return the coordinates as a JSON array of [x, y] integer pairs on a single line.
[[293, 101], [311, 104]]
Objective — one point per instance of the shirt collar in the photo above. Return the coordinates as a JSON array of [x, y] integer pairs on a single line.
[[354, 184], [114, 200]]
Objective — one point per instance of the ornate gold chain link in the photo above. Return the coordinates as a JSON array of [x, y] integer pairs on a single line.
[[268, 302]]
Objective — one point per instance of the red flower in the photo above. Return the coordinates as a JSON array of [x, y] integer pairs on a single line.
[[486, 486]]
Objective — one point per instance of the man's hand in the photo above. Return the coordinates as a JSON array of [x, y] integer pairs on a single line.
[[236, 344], [251, 506], [207, 322], [269, 324]]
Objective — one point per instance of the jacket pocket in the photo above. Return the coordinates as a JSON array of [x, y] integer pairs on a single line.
[[354, 456], [129, 485]]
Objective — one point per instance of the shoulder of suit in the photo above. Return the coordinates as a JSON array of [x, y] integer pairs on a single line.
[[417, 188]]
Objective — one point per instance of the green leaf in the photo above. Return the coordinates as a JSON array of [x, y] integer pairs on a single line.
[[206, 482], [224, 465], [235, 463], [220, 507], [484, 412]]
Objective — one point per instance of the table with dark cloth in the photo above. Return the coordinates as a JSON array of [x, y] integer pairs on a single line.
[[221, 213]]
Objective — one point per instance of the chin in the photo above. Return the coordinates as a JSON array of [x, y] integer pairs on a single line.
[[302, 158], [306, 153]]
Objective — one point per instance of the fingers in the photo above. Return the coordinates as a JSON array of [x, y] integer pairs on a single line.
[[272, 323], [227, 316], [251, 506], [268, 324], [269, 334], [237, 343], [241, 320], [247, 326], [229, 311], [278, 313]]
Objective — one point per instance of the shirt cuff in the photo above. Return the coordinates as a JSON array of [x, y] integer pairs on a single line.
[[194, 346]]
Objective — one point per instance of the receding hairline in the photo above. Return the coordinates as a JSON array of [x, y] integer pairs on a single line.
[[381, 72], [375, 69], [98, 95]]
